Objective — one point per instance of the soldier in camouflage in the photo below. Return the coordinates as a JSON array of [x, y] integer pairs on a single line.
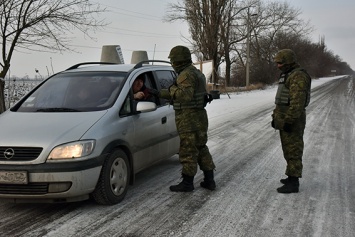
[[289, 115], [188, 98]]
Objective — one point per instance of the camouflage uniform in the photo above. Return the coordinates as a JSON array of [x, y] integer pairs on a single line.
[[191, 120], [289, 115], [188, 99]]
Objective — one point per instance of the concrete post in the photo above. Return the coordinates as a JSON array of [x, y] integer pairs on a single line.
[[138, 56], [112, 54]]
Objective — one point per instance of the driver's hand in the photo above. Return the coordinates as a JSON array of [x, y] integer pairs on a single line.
[[139, 95]]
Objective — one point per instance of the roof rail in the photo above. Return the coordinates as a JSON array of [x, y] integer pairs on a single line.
[[140, 64], [89, 63]]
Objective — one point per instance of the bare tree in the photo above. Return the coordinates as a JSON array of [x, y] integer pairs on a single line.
[[270, 21], [42, 25], [204, 19], [220, 30], [234, 31], [2, 103]]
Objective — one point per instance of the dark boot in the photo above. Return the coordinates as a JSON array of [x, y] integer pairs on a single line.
[[208, 182], [292, 186], [285, 181], [186, 185]]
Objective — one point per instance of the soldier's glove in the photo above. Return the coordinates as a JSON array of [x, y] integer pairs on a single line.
[[273, 124], [207, 99], [287, 127], [154, 92]]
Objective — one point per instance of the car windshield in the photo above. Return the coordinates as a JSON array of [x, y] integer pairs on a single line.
[[75, 92]]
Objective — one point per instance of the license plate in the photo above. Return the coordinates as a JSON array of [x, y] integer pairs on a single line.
[[13, 177]]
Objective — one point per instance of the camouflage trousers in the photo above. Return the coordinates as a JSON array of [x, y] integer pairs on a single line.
[[292, 147], [194, 152], [192, 126]]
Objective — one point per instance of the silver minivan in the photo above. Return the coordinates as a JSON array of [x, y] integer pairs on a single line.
[[80, 134]]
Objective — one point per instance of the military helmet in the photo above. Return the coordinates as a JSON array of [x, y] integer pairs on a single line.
[[285, 56], [179, 54]]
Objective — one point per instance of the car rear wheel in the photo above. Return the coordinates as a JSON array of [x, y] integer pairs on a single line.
[[113, 183]]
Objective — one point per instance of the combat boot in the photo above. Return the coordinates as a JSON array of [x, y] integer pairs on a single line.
[[285, 181], [186, 185], [292, 186], [208, 182]]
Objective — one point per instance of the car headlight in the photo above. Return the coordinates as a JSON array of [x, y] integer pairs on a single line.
[[72, 150]]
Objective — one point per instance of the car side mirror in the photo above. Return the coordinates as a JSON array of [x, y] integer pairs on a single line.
[[145, 106]]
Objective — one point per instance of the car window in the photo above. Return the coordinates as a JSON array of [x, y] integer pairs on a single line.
[[126, 108], [149, 82], [165, 79], [146, 83], [77, 91]]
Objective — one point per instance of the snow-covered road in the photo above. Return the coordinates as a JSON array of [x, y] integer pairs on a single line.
[[249, 162]]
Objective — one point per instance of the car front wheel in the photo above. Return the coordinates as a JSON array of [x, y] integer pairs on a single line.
[[113, 183]]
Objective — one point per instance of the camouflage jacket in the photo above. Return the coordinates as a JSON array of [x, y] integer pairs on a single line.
[[189, 90], [293, 95]]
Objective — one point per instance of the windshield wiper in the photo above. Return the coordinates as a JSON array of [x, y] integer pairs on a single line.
[[57, 110]]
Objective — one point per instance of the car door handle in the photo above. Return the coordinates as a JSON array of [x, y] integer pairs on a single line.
[[163, 120]]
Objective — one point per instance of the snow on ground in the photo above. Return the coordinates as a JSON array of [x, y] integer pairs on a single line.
[[243, 100]]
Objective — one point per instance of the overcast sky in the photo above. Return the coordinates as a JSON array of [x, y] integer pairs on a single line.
[[137, 25], [333, 19]]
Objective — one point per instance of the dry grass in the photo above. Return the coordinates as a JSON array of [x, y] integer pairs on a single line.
[[257, 86]]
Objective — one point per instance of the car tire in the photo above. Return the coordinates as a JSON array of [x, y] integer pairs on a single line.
[[113, 182]]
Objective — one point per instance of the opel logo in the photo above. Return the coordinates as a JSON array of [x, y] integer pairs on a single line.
[[9, 153]]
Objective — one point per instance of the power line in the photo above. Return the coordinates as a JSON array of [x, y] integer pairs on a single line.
[[130, 50], [146, 18], [140, 33], [124, 12], [140, 15], [115, 28]]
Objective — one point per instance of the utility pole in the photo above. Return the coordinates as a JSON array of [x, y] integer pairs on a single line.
[[247, 64]]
